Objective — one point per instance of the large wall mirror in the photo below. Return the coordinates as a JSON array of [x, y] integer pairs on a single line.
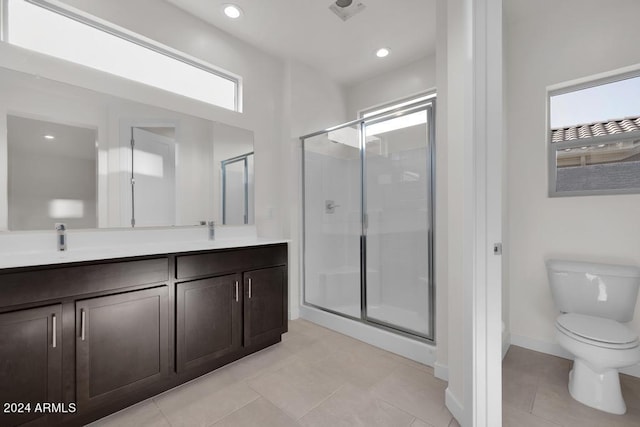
[[92, 160]]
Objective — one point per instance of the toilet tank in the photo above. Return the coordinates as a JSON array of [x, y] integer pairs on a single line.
[[601, 290]]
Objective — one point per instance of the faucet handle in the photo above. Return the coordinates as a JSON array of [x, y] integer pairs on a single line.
[[61, 236], [212, 229]]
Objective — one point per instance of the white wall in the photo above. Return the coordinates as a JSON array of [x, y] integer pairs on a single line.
[[452, 66], [544, 47], [408, 80]]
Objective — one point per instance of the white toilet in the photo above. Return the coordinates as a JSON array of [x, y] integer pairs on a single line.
[[594, 299]]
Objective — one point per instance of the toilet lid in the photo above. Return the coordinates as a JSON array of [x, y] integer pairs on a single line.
[[597, 328]]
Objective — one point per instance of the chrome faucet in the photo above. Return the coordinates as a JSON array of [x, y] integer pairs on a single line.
[[61, 237], [212, 230]]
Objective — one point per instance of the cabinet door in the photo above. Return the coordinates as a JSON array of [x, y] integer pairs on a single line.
[[209, 322], [265, 304], [30, 362], [121, 344]]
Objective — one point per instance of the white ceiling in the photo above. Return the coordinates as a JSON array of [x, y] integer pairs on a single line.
[[307, 31]]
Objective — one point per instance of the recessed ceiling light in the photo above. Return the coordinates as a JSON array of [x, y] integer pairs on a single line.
[[232, 11], [382, 52], [49, 137]]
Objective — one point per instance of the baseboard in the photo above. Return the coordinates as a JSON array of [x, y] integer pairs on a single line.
[[454, 406], [294, 313], [555, 350], [441, 371], [506, 343]]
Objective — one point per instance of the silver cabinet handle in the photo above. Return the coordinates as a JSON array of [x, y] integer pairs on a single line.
[[54, 337], [249, 287], [236, 291], [82, 323]]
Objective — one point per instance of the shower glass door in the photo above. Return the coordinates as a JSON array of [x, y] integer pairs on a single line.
[[397, 217], [368, 203], [332, 220]]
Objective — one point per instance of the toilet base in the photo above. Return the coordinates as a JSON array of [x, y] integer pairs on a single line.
[[599, 390]]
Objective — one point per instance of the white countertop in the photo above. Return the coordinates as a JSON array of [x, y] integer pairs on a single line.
[[114, 246], [25, 259]]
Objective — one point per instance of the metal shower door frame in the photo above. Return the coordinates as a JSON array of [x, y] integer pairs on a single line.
[[244, 158], [427, 105]]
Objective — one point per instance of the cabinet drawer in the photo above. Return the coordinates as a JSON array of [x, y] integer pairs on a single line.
[[229, 261], [47, 284]]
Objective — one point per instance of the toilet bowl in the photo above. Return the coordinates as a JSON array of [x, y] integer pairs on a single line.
[[610, 345], [594, 301]]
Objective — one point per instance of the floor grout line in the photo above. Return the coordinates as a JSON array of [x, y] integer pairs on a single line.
[[322, 401], [235, 410]]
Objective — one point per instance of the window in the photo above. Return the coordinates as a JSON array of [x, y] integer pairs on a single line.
[[401, 122], [594, 138], [43, 27]]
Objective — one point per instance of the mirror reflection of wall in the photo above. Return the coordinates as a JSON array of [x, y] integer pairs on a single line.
[[186, 149], [51, 174]]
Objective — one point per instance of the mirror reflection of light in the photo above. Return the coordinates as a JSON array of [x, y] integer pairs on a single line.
[[66, 208], [149, 164], [398, 123]]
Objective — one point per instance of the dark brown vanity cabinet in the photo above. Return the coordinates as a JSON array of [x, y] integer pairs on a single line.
[[122, 344], [233, 307], [208, 320], [265, 307], [99, 336], [30, 363]]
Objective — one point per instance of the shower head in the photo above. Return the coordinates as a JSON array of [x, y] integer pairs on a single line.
[[343, 3]]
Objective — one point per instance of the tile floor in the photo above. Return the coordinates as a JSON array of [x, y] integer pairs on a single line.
[[317, 377], [535, 393], [314, 377]]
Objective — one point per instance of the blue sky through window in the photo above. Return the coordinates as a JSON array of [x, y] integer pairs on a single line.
[[601, 103]]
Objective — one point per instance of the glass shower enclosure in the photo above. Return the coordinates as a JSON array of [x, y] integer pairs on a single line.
[[368, 219]]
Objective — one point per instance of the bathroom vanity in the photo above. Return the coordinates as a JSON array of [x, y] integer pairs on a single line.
[[95, 336]]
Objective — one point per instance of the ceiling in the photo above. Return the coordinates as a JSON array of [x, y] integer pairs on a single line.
[[307, 31]]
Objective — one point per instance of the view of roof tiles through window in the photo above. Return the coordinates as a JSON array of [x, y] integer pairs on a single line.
[[629, 124]]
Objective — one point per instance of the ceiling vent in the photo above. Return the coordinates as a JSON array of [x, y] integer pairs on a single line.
[[345, 9]]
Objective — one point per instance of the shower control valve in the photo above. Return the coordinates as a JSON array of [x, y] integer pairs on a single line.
[[330, 206]]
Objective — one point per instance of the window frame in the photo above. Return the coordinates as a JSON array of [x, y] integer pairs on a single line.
[[553, 147], [398, 104], [131, 37]]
